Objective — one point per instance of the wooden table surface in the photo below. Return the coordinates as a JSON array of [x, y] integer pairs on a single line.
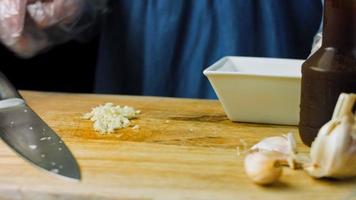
[[184, 149]]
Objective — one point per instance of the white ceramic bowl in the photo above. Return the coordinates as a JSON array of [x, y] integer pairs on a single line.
[[259, 90]]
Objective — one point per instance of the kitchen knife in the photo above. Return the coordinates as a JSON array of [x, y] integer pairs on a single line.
[[26, 133]]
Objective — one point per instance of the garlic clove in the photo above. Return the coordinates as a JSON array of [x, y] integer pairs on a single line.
[[263, 167], [285, 145]]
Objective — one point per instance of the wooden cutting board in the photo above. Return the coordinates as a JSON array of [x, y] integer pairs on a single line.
[[184, 149]]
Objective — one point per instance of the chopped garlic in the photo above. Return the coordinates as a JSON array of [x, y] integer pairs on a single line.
[[109, 117]]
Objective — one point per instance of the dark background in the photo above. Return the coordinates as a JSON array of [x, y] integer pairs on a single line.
[[68, 67]]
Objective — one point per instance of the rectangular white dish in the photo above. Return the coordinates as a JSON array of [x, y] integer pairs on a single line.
[[258, 90]]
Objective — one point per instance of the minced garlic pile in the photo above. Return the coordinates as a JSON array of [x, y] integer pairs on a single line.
[[109, 117]]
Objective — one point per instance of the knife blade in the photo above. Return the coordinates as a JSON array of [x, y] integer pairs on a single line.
[[30, 137]]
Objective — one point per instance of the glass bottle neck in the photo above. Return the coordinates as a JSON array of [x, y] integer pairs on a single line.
[[339, 28]]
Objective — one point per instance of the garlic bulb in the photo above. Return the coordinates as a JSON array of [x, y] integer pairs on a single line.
[[333, 152], [263, 167]]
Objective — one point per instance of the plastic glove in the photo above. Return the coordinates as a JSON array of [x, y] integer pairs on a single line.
[[24, 23], [12, 18], [317, 42], [318, 38], [50, 13]]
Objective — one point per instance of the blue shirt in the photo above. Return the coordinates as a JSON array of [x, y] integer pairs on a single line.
[[161, 47]]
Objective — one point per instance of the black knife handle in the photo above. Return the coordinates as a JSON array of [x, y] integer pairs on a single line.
[[7, 90]]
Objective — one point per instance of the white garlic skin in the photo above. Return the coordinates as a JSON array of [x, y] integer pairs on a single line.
[[263, 167], [285, 144], [276, 143]]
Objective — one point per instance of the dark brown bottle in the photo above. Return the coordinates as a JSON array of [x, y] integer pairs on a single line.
[[329, 71]]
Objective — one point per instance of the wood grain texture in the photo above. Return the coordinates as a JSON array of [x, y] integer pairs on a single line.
[[184, 149]]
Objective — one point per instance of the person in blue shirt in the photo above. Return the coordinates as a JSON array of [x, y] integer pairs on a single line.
[[160, 47]]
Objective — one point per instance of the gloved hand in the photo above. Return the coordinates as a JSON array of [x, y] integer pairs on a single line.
[[12, 18], [23, 22], [318, 39], [52, 12]]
